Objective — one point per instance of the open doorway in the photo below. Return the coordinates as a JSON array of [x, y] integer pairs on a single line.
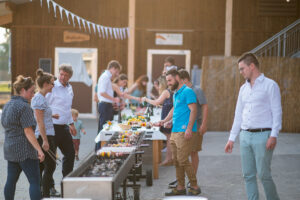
[[84, 62], [155, 62]]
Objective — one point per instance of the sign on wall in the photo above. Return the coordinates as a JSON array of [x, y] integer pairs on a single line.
[[70, 36], [168, 39]]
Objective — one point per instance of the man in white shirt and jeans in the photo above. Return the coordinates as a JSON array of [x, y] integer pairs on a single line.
[[106, 94], [258, 117]]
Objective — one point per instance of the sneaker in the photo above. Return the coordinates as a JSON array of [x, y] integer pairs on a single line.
[[76, 157], [175, 192], [173, 184], [194, 192], [54, 192]]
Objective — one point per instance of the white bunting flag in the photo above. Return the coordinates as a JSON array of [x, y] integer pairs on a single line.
[[83, 22], [54, 8], [110, 32], [88, 25], [115, 33], [72, 16], [60, 10], [94, 27], [128, 32], [78, 21], [48, 6], [102, 30], [67, 15], [98, 28], [124, 32], [41, 3], [106, 32]]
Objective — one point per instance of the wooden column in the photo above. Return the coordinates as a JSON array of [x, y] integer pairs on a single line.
[[228, 28], [131, 42]]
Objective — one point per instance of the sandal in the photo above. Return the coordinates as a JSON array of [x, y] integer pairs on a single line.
[[194, 192], [175, 192]]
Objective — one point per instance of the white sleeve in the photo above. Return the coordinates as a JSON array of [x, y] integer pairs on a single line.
[[275, 101]]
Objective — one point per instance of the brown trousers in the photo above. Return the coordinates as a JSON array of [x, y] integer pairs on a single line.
[[181, 150]]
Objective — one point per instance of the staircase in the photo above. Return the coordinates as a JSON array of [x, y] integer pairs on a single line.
[[286, 43]]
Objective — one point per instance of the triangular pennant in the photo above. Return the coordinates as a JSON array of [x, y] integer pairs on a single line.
[[110, 32], [78, 21], [94, 27], [88, 25], [118, 33], [124, 32], [98, 28], [67, 15], [48, 6], [60, 10], [41, 3], [83, 23], [54, 8], [106, 31], [115, 34], [102, 30], [128, 32], [72, 16]]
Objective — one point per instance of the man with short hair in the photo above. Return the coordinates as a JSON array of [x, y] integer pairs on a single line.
[[201, 118], [258, 117], [60, 100], [106, 94], [183, 131]]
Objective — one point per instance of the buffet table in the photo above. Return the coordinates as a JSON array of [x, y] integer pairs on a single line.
[[153, 134]]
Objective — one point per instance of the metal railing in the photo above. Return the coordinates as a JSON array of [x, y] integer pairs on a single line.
[[286, 43]]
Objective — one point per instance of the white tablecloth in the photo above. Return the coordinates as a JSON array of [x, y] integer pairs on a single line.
[[105, 134]]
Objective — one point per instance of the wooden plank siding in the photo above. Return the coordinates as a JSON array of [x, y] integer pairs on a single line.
[[221, 82]]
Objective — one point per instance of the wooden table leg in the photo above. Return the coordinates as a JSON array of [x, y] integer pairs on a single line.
[[155, 151]]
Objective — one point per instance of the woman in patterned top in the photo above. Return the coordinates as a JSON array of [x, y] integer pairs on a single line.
[[45, 129], [21, 149]]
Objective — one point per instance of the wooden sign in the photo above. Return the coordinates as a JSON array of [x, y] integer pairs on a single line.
[[75, 37]]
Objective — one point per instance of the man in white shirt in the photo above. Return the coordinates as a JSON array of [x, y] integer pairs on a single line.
[[60, 100], [258, 118], [106, 94]]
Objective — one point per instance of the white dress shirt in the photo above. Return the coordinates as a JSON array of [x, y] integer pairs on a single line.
[[105, 85], [60, 101], [258, 106]]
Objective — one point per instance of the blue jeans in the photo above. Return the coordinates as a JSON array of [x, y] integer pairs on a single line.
[[256, 159], [32, 171]]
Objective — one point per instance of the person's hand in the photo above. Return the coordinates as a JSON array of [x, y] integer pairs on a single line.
[[140, 100], [271, 143], [72, 130], [202, 129], [84, 132], [116, 100], [188, 134], [159, 123], [229, 146], [115, 106], [55, 116], [144, 99], [168, 124], [41, 155], [45, 145]]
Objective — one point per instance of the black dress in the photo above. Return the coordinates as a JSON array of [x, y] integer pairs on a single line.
[[167, 106]]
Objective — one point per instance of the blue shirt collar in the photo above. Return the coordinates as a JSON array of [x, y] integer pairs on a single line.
[[181, 89], [17, 97]]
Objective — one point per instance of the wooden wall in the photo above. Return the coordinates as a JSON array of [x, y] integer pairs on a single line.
[[36, 33], [221, 81], [251, 26]]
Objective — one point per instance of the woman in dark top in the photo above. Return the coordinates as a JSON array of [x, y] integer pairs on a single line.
[[166, 100], [21, 149]]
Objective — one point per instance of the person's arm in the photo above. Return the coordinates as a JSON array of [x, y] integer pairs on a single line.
[[41, 126], [132, 88], [164, 95], [33, 141], [192, 120], [124, 94], [275, 103], [203, 127]]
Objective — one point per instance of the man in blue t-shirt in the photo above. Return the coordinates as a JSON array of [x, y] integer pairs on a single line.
[[184, 129]]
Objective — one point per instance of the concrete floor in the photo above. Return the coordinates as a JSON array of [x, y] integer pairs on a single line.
[[219, 174]]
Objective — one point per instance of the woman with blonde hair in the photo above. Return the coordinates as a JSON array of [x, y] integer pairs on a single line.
[[45, 129], [21, 148], [166, 100]]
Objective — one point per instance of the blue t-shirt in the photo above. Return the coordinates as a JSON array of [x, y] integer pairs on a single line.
[[78, 125], [181, 114]]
